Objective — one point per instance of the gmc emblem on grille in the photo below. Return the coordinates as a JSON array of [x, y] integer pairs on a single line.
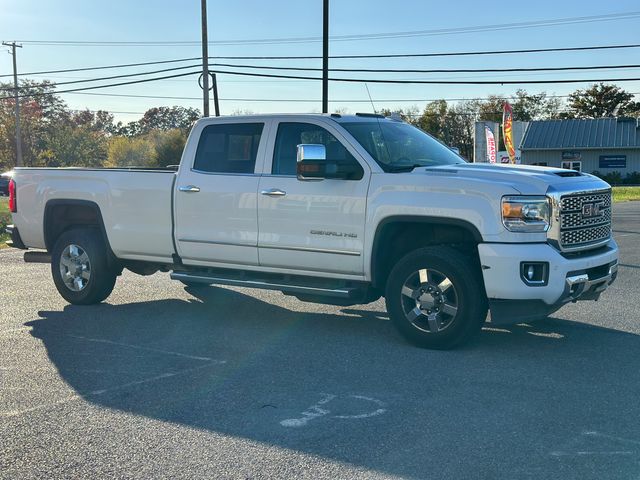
[[590, 210]]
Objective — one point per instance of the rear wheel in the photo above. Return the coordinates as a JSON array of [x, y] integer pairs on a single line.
[[436, 298], [80, 267]]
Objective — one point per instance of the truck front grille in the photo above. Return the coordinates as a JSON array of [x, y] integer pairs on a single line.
[[584, 220]]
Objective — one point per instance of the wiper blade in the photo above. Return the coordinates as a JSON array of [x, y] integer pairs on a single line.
[[402, 168]]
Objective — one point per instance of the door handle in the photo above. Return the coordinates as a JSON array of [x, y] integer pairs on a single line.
[[189, 189], [273, 192]]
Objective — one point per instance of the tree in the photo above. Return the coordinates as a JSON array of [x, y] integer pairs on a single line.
[[488, 110], [602, 100], [131, 152], [100, 121], [69, 146], [458, 129], [41, 110], [168, 118], [169, 146], [409, 114], [434, 118], [527, 107], [453, 125]]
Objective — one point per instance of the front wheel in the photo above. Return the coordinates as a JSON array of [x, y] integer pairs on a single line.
[[436, 298], [80, 267]]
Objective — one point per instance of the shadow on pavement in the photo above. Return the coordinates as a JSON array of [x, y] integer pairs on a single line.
[[527, 399]]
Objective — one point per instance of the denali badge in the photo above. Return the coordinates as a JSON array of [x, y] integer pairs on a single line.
[[333, 234], [591, 210]]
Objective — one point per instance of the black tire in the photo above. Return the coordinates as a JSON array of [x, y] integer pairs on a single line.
[[102, 278], [463, 275]]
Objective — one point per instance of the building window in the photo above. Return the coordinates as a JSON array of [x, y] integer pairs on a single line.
[[577, 166], [612, 161]]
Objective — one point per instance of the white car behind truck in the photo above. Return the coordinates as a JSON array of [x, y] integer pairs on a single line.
[[331, 209]]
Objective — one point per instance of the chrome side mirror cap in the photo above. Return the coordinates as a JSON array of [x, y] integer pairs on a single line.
[[311, 161]]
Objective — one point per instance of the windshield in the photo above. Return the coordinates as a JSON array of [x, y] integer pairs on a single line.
[[399, 146]]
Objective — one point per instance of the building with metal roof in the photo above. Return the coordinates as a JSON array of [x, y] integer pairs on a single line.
[[605, 145]]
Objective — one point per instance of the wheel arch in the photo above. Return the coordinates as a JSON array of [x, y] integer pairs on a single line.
[[393, 238], [61, 215]]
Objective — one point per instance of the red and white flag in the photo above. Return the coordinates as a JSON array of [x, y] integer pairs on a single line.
[[491, 145]]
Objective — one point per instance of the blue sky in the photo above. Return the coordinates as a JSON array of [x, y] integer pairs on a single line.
[[164, 20]]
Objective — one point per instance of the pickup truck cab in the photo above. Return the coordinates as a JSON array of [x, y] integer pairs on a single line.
[[331, 209]]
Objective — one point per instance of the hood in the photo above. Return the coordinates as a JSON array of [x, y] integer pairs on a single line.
[[526, 179]]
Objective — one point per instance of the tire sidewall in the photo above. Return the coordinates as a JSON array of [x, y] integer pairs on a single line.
[[90, 241], [469, 290]]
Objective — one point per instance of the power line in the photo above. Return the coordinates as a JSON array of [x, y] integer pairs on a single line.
[[104, 67], [302, 100], [440, 70], [355, 37], [534, 69], [99, 79], [433, 82], [109, 85], [353, 80], [294, 57], [437, 54]]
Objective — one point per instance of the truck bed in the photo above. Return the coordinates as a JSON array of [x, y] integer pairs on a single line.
[[135, 205]]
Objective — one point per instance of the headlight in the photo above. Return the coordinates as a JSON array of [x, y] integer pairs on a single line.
[[525, 213]]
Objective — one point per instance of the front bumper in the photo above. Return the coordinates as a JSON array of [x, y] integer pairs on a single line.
[[570, 278]]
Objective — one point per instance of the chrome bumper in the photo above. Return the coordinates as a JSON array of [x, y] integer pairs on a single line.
[[579, 285], [588, 286]]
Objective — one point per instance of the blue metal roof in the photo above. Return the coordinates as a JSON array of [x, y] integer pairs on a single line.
[[582, 133]]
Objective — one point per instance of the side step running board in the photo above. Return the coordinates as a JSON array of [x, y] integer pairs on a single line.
[[342, 292]]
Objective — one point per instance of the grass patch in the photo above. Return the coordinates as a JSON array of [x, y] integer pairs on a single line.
[[5, 219], [625, 194]]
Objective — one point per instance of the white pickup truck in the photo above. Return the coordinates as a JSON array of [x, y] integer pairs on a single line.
[[331, 209]]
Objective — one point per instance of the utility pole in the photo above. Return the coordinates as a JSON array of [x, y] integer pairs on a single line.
[[13, 46], [325, 56], [205, 61]]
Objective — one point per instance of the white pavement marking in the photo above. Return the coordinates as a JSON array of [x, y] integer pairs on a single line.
[[15, 413], [373, 413], [316, 410], [312, 412], [583, 453], [594, 434], [149, 349]]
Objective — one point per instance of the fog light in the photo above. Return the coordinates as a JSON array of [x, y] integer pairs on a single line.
[[530, 272], [534, 274]]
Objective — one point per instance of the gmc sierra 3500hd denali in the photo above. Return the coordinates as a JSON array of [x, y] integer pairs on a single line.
[[331, 209]]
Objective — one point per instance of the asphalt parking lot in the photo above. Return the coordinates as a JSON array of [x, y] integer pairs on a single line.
[[168, 382]]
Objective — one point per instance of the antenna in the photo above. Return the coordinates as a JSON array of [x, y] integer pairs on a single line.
[[370, 99]]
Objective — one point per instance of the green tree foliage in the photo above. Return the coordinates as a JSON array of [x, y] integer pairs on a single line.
[[40, 111], [527, 107], [168, 118], [602, 100], [131, 152], [69, 146], [169, 146]]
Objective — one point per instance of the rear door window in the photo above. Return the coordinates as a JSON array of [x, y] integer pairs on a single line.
[[228, 148]]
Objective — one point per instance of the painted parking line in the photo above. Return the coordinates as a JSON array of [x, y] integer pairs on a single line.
[[94, 393]]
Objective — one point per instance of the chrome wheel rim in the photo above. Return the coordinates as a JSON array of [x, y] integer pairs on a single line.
[[429, 300], [75, 268]]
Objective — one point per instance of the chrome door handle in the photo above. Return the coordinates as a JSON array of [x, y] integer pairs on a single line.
[[189, 189], [273, 192]]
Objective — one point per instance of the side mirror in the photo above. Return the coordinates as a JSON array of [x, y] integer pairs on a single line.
[[312, 164]]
